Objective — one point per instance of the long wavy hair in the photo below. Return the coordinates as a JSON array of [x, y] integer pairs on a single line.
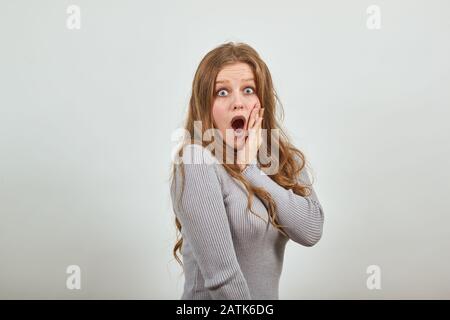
[[291, 161]]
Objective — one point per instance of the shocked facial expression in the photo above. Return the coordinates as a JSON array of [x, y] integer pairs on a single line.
[[234, 98]]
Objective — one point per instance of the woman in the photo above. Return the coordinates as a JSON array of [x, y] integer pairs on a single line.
[[234, 217]]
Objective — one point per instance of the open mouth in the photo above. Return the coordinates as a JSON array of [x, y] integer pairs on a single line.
[[238, 125]]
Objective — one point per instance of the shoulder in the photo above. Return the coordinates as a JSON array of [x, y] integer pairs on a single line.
[[197, 154], [199, 173], [197, 163]]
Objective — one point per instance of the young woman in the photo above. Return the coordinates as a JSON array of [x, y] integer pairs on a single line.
[[234, 217]]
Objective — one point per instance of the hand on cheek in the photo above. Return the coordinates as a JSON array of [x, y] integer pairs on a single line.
[[248, 153]]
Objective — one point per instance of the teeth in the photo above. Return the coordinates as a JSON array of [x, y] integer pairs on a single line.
[[239, 133]]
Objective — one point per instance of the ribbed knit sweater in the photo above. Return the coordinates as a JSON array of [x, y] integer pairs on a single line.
[[229, 253]]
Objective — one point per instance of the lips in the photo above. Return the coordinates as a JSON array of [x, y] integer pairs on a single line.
[[238, 125], [238, 122]]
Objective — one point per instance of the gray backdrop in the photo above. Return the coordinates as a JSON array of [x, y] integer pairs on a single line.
[[86, 117]]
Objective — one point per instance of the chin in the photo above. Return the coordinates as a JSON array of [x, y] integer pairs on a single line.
[[238, 144]]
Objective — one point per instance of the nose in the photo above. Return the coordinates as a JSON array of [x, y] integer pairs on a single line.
[[238, 106], [237, 103]]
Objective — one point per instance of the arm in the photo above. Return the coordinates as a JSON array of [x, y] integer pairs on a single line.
[[205, 226], [302, 217]]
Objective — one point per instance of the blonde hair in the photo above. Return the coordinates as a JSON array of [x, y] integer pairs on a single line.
[[200, 109]]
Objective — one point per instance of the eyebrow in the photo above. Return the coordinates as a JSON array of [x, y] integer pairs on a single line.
[[224, 81]]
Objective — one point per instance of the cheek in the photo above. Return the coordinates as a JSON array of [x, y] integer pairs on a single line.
[[219, 113], [255, 100]]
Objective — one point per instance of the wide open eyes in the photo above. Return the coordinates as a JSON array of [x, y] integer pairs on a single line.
[[224, 92]]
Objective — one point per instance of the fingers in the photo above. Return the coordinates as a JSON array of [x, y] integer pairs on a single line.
[[259, 127], [254, 116], [259, 119], [261, 112], [261, 116], [254, 139]]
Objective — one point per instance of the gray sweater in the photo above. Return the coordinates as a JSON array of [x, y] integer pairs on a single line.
[[228, 252]]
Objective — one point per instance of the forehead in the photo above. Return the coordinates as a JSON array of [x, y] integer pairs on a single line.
[[235, 72]]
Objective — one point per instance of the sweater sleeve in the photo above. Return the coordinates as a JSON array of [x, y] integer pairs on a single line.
[[302, 217], [205, 226]]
